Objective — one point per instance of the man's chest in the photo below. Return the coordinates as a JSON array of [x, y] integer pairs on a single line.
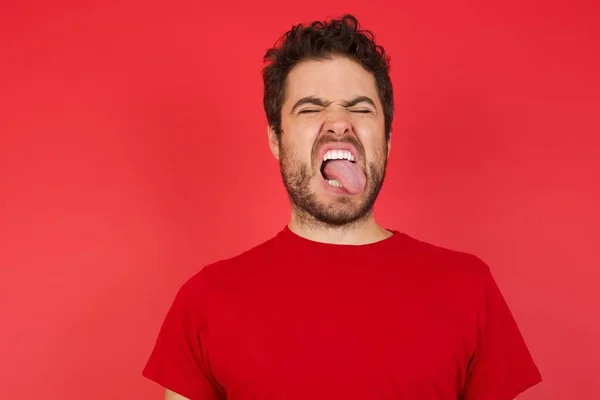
[[328, 343]]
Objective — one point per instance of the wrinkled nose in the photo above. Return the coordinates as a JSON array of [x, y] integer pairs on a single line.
[[338, 124]]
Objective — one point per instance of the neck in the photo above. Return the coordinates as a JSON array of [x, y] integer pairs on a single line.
[[360, 233]]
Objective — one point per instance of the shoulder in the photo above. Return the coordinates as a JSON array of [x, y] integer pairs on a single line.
[[444, 259], [214, 276], [446, 271]]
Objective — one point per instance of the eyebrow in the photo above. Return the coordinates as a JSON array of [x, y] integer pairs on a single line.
[[322, 103]]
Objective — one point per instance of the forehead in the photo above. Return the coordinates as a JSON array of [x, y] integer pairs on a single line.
[[335, 79]]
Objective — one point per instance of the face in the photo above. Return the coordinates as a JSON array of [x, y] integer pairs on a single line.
[[332, 151]]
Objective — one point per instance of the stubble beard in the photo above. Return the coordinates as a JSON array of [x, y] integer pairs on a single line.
[[346, 211]]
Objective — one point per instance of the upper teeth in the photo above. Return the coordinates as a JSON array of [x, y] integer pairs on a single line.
[[338, 155]]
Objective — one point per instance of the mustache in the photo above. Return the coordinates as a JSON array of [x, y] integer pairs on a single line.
[[326, 139]]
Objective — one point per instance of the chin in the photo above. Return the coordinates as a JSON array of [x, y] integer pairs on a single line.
[[329, 207]]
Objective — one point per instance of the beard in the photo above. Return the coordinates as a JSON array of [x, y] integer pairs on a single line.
[[345, 211]]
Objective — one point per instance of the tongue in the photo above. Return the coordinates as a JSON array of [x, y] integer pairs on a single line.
[[347, 173]]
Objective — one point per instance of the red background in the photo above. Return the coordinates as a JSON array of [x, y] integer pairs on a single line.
[[133, 150]]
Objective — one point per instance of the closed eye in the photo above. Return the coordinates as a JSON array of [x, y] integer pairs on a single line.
[[362, 111], [308, 111]]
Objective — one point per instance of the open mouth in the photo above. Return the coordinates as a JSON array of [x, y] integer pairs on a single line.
[[327, 172], [340, 170]]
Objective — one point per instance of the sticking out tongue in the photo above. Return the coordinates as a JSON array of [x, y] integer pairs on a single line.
[[349, 174]]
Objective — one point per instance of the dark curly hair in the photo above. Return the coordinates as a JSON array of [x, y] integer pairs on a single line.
[[319, 41]]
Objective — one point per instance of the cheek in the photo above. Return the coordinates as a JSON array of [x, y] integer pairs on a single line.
[[299, 141], [295, 151], [374, 145]]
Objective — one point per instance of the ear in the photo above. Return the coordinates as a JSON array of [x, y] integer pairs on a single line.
[[389, 144], [273, 142]]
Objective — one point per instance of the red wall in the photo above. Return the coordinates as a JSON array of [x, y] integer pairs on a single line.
[[133, 151]]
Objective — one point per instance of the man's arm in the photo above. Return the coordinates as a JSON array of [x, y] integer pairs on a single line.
[[178, 360], [502, 366], [170, 395]]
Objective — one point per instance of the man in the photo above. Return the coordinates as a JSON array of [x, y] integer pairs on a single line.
[[336, 306]]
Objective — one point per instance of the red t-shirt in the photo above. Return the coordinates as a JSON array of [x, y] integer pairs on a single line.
[[295, 319]]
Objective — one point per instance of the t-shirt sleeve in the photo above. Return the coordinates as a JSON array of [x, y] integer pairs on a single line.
[[502, 366], [178, 361]]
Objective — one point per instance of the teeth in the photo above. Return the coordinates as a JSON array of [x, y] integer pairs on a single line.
[[338, 155], [335, 183]]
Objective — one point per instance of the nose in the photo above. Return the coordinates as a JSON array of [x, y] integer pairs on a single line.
[[337, 124]]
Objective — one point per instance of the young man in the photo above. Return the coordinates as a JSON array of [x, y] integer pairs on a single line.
[[336, 306]]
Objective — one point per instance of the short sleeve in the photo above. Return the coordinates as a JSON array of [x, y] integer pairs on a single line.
[[178, 361], [502, 366]]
